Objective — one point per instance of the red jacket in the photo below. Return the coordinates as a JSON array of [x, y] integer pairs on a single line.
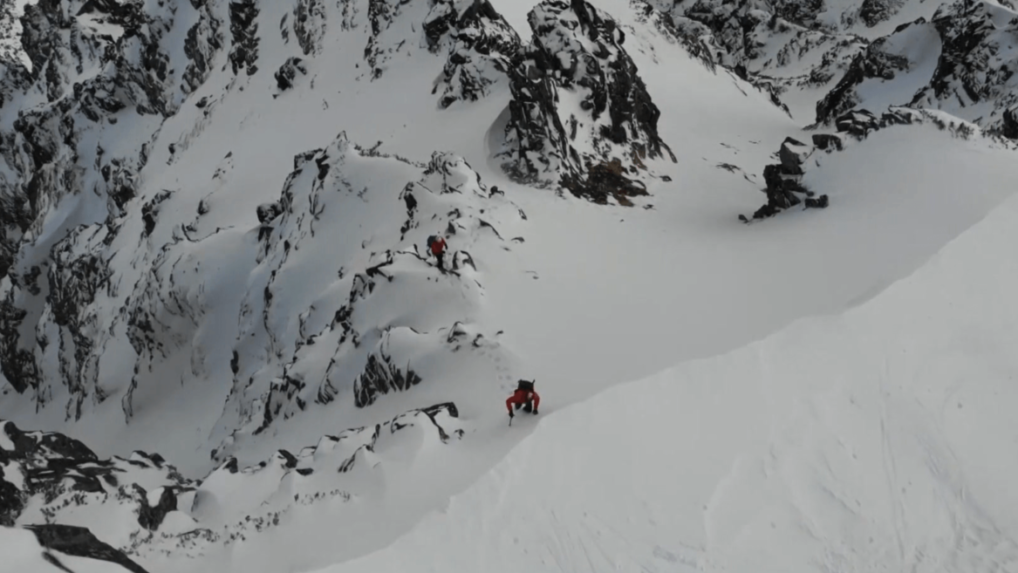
[[521, 397], [437, 247]]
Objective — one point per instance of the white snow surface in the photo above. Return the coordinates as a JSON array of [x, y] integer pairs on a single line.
[[874, 436], [879, 439]]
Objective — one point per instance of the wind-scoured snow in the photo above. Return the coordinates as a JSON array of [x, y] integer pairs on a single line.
[[873, 440]]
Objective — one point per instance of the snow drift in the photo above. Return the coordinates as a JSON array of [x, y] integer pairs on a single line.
[[874, 440]]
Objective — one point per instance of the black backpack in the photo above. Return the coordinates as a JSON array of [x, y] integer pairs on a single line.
[[431, 239], [526, 385]]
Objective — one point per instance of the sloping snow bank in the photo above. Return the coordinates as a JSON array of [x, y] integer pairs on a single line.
[[879, 440]]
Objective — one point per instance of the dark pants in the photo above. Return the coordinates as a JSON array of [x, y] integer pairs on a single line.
[[441, 261], [528, 407]]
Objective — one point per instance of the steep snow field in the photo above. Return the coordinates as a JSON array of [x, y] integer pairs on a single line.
[[879, 439]]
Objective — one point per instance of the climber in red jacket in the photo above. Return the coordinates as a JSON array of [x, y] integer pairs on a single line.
[[437, 246], [524, 396]]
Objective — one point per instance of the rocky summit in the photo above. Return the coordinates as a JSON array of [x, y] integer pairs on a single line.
[[269, 271]]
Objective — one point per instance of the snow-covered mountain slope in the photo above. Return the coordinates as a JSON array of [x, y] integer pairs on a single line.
[[213, 218], [881, 439], [61, 548]]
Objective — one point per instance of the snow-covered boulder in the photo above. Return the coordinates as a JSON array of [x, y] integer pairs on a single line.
[[580, 109]]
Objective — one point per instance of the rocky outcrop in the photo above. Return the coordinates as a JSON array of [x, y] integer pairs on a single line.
[[48, 477], [244, 28], [58, 473], [578, 49], [975, 77], [1010, 123], [763, 42], [287, 73], [827, 142], [875, 62], [101, 84], [873, 12], [860, 122], [381, 376], [80, 542], [309, 22], [784, 182], [483, 47]]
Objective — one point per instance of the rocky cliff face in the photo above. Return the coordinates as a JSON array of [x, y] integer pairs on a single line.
[[579, 51], [100, 84]]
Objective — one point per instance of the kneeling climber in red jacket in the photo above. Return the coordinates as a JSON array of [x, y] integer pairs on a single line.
[[523, 396]]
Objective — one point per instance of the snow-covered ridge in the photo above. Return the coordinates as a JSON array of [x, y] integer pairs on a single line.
[[950, 55], [875, 439], [141, 505]]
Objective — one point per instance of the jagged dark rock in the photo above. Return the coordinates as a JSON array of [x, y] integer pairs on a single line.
[[268, 211], [151, 517], [56, 467], [80, 542], [873, 12], [244, 28], [55, 148], [540, 132], [793, 154], [309, 25], [975, 66], [381, 376], [482, 50], [1010, 123], [783, 181], [874, 62], [827, 142], [857, 122], [288, 72]]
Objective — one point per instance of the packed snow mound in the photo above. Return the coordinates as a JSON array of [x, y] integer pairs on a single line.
[[872, 440], [141, 505], [58, 548]]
